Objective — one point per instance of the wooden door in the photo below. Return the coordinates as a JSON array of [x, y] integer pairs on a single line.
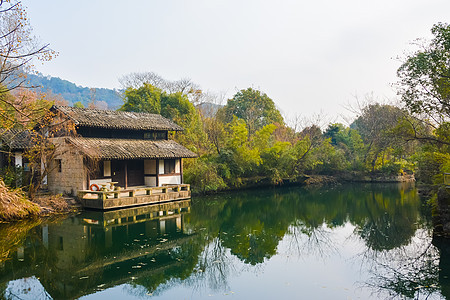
[[135, 172], [118, 172]]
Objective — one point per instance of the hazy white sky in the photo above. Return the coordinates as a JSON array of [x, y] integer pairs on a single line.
[[308, 56]]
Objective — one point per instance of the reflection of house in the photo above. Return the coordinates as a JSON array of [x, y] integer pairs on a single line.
[[129, 148], [106, 249]]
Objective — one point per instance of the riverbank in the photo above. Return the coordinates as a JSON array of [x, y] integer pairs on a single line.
[[441, 213], [311, 180], [14, 205]]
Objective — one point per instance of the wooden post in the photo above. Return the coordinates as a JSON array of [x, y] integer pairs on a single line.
[[181, 170], [126, 174], [157, 172]]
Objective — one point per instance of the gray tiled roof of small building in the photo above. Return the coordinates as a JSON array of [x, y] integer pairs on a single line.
[[116, 119], [15, 139], [104, 148]]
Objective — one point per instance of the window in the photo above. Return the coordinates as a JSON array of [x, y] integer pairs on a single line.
[[161, 135], [169, 166], [59, 165], [149, 135], [155, 135]]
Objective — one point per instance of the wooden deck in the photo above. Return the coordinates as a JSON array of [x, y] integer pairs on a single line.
[[133, 196]]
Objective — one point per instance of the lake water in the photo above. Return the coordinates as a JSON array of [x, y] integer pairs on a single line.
[[344, 242]]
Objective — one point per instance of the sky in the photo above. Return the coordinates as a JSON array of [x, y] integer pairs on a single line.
[[310, 57]]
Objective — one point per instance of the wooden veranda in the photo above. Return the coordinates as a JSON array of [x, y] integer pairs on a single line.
[[105, 198]]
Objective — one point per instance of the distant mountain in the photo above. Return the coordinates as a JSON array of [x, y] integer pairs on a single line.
[[209, 109], [106, 98]]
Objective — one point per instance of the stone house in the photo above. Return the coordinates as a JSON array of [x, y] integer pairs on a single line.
[[131, 149]]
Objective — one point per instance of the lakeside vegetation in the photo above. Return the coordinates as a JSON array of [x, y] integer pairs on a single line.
[[247, 141]]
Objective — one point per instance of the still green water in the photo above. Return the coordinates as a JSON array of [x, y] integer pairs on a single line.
[[345, 242]]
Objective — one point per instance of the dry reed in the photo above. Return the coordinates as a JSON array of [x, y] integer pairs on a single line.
[[14, 204]]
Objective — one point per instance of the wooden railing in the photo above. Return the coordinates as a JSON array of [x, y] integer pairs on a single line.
[[116, 193]]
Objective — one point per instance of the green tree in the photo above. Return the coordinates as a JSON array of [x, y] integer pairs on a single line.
[[376, 125], [177, 107], [146, 98], [348, 140], [78, 104], [425, 76], [254, 107]]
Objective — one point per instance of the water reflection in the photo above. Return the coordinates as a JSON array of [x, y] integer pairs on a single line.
[[97, 250], [206, 245], [411, 271]]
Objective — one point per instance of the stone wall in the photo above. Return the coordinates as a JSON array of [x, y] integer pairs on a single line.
[[441, 213], [72, 176]]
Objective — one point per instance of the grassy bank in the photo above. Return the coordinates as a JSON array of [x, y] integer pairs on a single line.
[[14, 205]]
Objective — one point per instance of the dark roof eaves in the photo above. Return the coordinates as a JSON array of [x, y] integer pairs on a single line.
[[78, 124], [63, 109], [79, 141]]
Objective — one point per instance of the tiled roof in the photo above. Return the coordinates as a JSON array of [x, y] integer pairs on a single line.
[[116, 119], [15, 139], [130, 148]]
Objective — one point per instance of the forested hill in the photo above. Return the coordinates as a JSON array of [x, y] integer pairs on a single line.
[[105, 98]]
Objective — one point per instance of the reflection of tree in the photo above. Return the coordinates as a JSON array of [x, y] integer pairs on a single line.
[[246, 226], [176, 264], [251, 227], [254, 222], [36, 258], [443, 244], [214, 267], [310, 241], [391, 219], [13, 235], [410, 271]]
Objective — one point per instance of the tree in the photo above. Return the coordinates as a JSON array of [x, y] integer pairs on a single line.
[[376, 125], [424, 86], [24, 109], [184, 86], [254, 107], [78, 104], [174, 106], [334, 131], [425, 77], [215, 131], [146, 98], [18, 47], [347, 140]]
